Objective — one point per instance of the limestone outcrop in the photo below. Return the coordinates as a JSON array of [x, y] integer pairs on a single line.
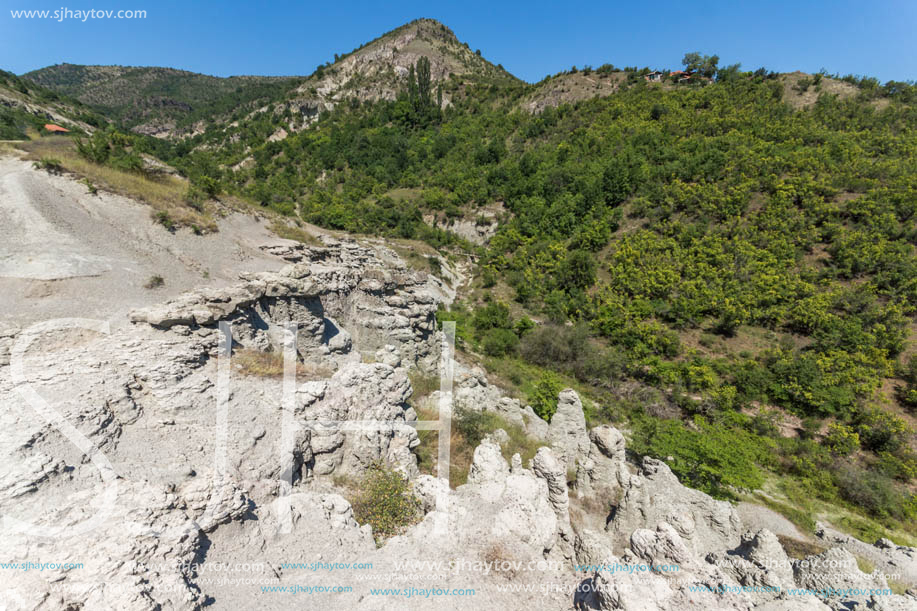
[[655, 495], [567, 431], [137, 459], [341, 296]]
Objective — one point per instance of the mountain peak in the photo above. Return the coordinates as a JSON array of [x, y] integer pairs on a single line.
[[376, 70]]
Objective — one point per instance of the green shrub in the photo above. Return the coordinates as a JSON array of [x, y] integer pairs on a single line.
[[881, 431], [474, 425], [557, 346], [93, 190], [386, 502], [842, 440], [523, 326], [500, 342], [907, 394], [715, 458], [162, 217], [577, 271], [460, 315], [49, 164], [803, 84], [872, 492], [901, 466], [658, 111], [112, 148], [494, 315], [155, 281], [543, 397]]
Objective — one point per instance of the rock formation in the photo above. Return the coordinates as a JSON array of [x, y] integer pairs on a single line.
[[137, 455]]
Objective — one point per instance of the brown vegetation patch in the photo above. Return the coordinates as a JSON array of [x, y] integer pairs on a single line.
[[797, 550], [270, 365]]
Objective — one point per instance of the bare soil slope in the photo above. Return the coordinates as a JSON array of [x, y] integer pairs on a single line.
[[64, 252]]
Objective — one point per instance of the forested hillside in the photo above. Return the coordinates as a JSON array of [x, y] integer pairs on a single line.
[[166, 102], [746, 270], [724, 261], [25, 108], [155, 100]]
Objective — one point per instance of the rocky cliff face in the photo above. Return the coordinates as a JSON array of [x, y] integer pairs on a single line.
[[342, 298], [145, 459]]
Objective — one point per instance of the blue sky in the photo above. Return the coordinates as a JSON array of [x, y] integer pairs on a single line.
[[531, 39]]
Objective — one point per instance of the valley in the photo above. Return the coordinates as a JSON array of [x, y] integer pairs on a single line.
[[683, 302]]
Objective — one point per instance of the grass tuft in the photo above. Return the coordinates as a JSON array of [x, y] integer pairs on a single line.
[[386, 503], [468, 430], [270, 365], [865, 564], [155, 282], [52, 165], [797, 550], [297, 234]]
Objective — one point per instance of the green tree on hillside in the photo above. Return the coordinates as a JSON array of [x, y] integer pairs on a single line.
[[423, 108], [705, 65]]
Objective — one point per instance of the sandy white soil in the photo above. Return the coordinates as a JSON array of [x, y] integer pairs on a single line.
[[66, 253]]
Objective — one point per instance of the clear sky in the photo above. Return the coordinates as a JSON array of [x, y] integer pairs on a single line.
[[530, 38]]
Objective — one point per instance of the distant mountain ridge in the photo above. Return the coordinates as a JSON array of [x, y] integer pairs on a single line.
[[155, 100], [26, 107], [166, 101]]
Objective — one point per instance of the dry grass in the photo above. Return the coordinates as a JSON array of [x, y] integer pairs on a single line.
[[898, 587], [465, 435], [347, 484], [571, 88], [423, 384], [270, 365], [461, 455], [461, 452], [865, 565], [417, 255], [592, 510], [291, 232], [502, 563], [803, 99], [797, 549], [164, 193], [427, 451]]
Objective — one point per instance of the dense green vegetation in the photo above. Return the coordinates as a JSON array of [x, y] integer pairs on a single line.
[[131, 96], [23, 110], [750, 261]]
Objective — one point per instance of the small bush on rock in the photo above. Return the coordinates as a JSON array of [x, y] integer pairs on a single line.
[[544, 396], [386, 502]]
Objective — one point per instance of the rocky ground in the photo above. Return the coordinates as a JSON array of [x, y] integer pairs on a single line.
[[173, 479]]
